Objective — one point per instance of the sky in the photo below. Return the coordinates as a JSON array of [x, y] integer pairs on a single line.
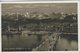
[[39, 7]]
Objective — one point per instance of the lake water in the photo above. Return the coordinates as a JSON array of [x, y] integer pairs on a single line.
[[22, 41], [67, 42]]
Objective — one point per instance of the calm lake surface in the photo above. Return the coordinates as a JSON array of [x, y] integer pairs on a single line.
[[65, 42], [22, 41]]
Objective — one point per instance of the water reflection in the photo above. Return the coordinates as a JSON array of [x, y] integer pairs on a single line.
[[22, 41], [30, 41], [67, 42]]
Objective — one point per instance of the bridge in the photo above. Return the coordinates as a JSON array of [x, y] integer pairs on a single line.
[[49, 44]]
